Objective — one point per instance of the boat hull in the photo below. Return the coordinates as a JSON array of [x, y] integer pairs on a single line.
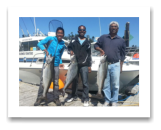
[[32, 75]]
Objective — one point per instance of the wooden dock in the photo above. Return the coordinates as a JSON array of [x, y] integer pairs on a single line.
[[28, 95]]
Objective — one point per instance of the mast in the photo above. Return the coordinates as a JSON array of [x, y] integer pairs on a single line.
[[22, 31], [100, 26], [35, 25]]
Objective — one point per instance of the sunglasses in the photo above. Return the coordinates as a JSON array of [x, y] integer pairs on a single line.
[[82, 30]]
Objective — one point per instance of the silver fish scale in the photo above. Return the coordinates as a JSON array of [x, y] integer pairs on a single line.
[[49, 59], [101, 74], [103, 59], [72, 72], [47, 75]]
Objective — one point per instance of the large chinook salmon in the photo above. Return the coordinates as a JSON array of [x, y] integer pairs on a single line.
[[47, 74], [71, 74], [101, 74]]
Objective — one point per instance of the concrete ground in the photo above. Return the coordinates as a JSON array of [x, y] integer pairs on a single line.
[[28, 95]]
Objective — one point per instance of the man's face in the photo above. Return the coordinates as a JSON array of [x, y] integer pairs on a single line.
[[59, 35], [113, 28], [82, 31]]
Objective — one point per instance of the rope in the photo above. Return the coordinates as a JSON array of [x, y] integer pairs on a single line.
[[24, 23]]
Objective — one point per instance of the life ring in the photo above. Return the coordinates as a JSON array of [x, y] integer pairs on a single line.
[[61, 84]]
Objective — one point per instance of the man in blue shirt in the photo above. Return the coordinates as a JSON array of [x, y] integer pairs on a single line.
[[114, 47]]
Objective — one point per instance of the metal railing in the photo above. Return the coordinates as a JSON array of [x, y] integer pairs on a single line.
[[34, 57]]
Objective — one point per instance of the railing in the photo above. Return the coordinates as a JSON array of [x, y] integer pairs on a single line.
[[34, 57], [131, 51]]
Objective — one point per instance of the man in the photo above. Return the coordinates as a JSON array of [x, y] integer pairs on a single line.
[[81, 48], [114, 47], [55, 49]]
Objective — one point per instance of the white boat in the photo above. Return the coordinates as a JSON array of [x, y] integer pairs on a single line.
[[132, 56]]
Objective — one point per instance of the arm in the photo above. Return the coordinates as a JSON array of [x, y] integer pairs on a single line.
[[121, 63], [101, 51], [42, 43], [89, 59], [122, 55], [70, 48], [98, 46], [61, 53]]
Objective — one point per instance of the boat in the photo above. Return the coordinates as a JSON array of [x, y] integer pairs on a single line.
[[31, 61], [132, 55]]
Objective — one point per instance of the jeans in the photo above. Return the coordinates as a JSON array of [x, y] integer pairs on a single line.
[[84, 76], [55, 79], [111, 83]]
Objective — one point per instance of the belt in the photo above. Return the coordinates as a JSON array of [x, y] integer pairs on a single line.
[[112, 62]]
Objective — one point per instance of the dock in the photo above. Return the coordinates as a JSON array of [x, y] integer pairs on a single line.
[[28, 95]]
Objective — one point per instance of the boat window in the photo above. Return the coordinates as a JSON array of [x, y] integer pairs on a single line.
[[41, 60], [66, 61], [29, 46], [94, 52]]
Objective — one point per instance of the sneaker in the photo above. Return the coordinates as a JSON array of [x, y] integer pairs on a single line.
[[86, 103], [114, 104], [72, 99], [106, 104], [57, 102]]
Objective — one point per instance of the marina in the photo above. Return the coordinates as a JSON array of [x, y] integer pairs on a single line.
[[30, 68]]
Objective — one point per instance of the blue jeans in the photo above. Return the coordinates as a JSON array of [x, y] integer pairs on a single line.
[[84, 76], [111, 83]]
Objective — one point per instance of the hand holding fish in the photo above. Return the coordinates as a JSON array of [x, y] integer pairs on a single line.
[[61, 66], [71, 53], [102, 52], [47, 53], [89, 69]]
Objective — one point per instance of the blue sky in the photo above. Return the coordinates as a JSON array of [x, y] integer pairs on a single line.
[[70, 24]]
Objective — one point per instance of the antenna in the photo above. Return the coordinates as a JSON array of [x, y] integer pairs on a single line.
[[35, 25], [100, 26]]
